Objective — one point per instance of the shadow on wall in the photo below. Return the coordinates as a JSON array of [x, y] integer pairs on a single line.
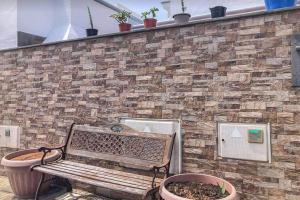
[[25, 39]]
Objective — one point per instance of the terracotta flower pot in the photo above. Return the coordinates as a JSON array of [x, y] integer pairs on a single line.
[[166, 195], [150, 23], [23, 181], [124, 27]]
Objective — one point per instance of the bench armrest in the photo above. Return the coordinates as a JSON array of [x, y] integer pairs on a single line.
[[62, 148], [43, 149], [47, 150], [164, 165], [156, 170], [50, 149]]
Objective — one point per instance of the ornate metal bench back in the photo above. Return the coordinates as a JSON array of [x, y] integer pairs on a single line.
[[120, 144]]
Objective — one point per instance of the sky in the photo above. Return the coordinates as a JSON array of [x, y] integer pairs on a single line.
[[140, 6]]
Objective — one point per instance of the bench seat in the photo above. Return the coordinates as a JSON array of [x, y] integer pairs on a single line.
[[98, 176]]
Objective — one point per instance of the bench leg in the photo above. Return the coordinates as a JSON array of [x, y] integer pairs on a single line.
[[68, 185], [152, 194], [37, 193]]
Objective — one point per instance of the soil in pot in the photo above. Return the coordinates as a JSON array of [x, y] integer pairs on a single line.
[[31, 156], [196, 190]]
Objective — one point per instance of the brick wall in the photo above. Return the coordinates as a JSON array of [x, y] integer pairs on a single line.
[[235, 70]]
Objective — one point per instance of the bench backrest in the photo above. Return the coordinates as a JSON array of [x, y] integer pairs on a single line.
[[121, 144]]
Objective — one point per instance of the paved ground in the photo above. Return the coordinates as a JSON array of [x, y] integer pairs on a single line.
[[6, 193]]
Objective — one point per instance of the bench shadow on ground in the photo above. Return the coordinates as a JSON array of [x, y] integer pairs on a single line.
[[55, 193]]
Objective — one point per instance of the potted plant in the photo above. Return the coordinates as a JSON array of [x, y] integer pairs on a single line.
[[122, 17], [218, 11], [196, 186], [183, 17], [150, 22], [276, 4], [23, 180], [91, 31]]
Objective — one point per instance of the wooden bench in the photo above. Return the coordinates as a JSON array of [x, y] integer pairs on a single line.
[[117, 143]]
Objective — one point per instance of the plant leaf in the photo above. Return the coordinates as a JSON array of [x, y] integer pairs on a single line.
[[223, 190]]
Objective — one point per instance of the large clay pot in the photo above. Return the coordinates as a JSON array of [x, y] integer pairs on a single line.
[[23, 181], [166, 195]]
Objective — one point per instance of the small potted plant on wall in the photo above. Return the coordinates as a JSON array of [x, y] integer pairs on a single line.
[[218, 10], [150, 22], [122, 17], [183, 17], [91, 31]]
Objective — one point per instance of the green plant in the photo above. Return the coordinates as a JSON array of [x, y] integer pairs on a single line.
[[183, 8], [145, 15], [222, 188], [122, 16], [153, 11], [90, 16]]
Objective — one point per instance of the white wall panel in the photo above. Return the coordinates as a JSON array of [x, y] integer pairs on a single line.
[[8, 24], [235, 141]]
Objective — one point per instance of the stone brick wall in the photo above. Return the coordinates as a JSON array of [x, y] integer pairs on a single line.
[[234, 70]]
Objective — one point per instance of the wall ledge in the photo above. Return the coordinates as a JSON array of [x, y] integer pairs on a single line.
[[167, 26]]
